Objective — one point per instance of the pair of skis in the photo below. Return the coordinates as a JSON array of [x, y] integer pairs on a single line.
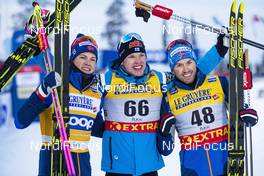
[[61, 63], [236, 153], [240, 79], [44, 47], [25, 51]]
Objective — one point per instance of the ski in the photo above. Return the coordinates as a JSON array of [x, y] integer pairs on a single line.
[[232, 89], [24, 52], [65, 67], [236, 95], [56, 153], [240, 91], [65, 59]]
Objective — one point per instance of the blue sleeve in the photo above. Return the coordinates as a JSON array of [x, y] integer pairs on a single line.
[[105, 82], [165, 144], [165, 107], [224, 84], [98, 126], [209, 61], [30, 109]]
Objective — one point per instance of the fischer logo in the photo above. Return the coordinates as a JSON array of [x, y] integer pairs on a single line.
[[81, 122]]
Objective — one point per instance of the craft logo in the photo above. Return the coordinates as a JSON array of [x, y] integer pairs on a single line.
[[215, 97]]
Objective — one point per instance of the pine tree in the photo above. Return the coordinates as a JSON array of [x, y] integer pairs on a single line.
[[114, 26]]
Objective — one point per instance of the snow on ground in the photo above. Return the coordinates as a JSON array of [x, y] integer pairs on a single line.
[[19, 157]]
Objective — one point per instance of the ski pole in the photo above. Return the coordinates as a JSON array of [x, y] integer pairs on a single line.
[[247, 85], [44, 47], [167, 14]]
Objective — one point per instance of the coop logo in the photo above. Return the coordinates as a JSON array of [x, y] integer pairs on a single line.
[[76, 122]]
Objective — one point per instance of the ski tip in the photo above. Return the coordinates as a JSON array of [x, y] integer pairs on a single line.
[[241, 7], [234, 6]]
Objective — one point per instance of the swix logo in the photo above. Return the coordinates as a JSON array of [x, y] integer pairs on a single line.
[[162, 9], [135, 44], [247, 79], [81, 122]]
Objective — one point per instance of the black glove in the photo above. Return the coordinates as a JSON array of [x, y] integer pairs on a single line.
[[249, 116], [221, 48], [143, 13], [51, 81], [166, 123]]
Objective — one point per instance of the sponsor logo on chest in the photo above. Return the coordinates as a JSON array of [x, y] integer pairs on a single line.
[[193, 97], [82, 102]]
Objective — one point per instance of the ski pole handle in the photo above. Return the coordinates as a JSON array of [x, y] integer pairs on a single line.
[[42, 37], [162, 12]]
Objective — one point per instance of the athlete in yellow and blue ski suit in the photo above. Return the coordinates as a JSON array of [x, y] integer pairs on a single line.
[[84, 107], [199, 112]]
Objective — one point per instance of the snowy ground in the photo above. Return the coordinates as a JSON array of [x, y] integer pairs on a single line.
[[18, 157]]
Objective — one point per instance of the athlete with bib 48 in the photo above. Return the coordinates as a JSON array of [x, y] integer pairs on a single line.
[[197, 108]]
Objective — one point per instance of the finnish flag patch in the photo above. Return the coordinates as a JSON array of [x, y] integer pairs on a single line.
[[212, 79]]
